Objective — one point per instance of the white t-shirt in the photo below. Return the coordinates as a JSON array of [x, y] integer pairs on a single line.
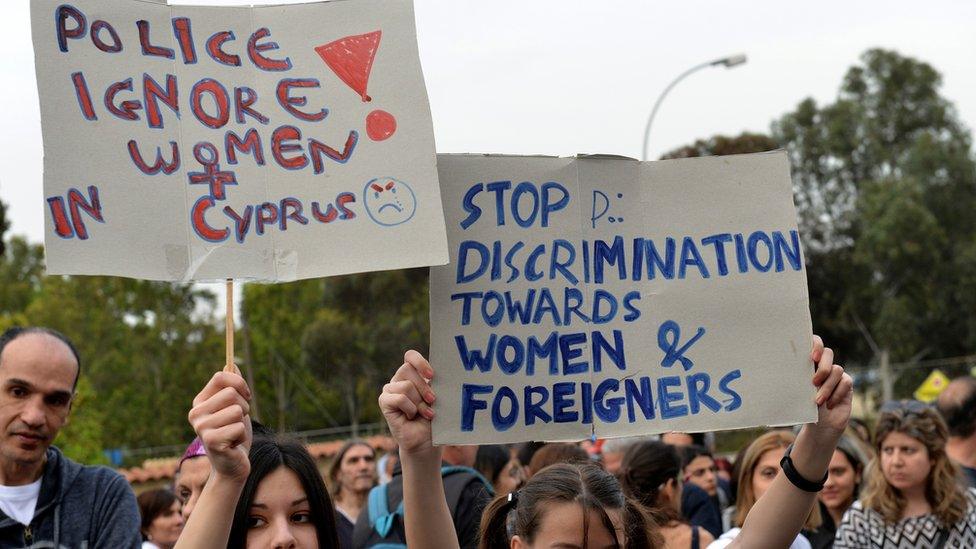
[[19, 502], [725, 539]]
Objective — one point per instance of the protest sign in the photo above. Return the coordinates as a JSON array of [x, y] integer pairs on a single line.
[[269, 143], [606, 296]]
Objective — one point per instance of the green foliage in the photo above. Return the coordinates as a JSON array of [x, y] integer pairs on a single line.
[[885, 184], [720, 145], [885, 187]]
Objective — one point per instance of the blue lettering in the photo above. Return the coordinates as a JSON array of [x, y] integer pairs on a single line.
[[666, 397], [470, 405]]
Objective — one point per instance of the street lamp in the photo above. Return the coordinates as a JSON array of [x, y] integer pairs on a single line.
[[727, 62]]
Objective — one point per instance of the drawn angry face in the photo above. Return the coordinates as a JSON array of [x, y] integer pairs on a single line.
[[389, 201]]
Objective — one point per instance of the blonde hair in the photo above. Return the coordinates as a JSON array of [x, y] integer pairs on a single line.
[[772, 440], [942, 489]]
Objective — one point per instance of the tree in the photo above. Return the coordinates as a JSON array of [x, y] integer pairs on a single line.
[[885, 188], [719, 145], [885, 184], [4, 226]]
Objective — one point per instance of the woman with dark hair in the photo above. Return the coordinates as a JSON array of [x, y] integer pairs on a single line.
[[264, 491], [913, 496], [352, 474], [555, 511], [161, 519], [651, 474], [840, 491], [497, 463]]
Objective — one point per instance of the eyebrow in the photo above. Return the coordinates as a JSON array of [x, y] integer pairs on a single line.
[[294, 503], [61, 393]]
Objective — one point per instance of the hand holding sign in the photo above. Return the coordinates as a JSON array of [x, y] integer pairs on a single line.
[[834, 390], [221, 418], [406, 404]]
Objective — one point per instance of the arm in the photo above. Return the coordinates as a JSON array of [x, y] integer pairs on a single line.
[[406, 404], [220, 417], [778, 516]]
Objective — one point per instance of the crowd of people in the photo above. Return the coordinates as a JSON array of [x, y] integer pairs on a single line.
[[908, 480]]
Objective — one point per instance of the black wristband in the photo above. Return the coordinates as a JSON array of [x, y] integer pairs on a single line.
[[791, 473]]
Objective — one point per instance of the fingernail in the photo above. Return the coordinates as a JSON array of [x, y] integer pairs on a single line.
[[431, 397]]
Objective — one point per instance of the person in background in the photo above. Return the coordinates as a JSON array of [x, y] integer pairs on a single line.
[[467, 491], [844, 476], [860, 428], [557, 452], [265, 491], [912, 497], [759, 469], [191, 476], [46, 499], [680, 440], [499, 465], [562, 521], [524, 452], [161, 519], [613, 450], [352, 475], [386, 464], [957, 404], [700, 468], [651, 474]]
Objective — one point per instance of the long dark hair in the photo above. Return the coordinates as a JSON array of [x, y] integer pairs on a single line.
[[647, 466], [267, 455], [585, 483]]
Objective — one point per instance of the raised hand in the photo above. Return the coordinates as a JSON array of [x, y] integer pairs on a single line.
[[220, 417], [835, 389], [406, 404]]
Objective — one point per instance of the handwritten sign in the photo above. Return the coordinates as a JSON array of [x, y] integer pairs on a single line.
[[200, 143], [607, 296]]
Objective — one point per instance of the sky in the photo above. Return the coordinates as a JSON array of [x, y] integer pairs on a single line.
[[566, 77]]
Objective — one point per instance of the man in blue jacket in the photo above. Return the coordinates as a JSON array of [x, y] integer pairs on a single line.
[[47, 500]]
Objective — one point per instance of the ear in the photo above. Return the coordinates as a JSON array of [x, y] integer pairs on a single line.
[[517, 543]]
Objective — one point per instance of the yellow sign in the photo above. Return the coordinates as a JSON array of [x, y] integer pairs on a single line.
[[932, 387]]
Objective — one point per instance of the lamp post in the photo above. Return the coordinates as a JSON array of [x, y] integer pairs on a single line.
[[727, 62]]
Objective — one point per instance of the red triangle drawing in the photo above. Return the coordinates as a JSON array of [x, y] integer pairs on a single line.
[[351, 58]]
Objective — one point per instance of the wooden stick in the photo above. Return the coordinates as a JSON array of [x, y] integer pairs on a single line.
[[229, 328]]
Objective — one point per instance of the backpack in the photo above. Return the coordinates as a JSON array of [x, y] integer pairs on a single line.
[[383, 522]]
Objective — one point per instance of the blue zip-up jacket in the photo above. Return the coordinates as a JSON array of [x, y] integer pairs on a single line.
[[78, 507]]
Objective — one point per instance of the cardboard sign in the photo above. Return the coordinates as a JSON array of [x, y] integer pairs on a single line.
[[607, 296], [201, 143]]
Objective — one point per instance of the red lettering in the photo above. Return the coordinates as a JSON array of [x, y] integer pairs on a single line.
[[84, 97], [267, 214], [279, 147], [289, 103], [160, 165], [149, 49], [59, 215], [152, 91], [243, 104], [61, 15], [250, 144], [294, 215], [328, 217], [96, 27], [219, 55], [215, 89], [342, 200], [264, 63], [181, 28], [316, 149], [241, 223], [93, 207], [199, 221], [125, 110]]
